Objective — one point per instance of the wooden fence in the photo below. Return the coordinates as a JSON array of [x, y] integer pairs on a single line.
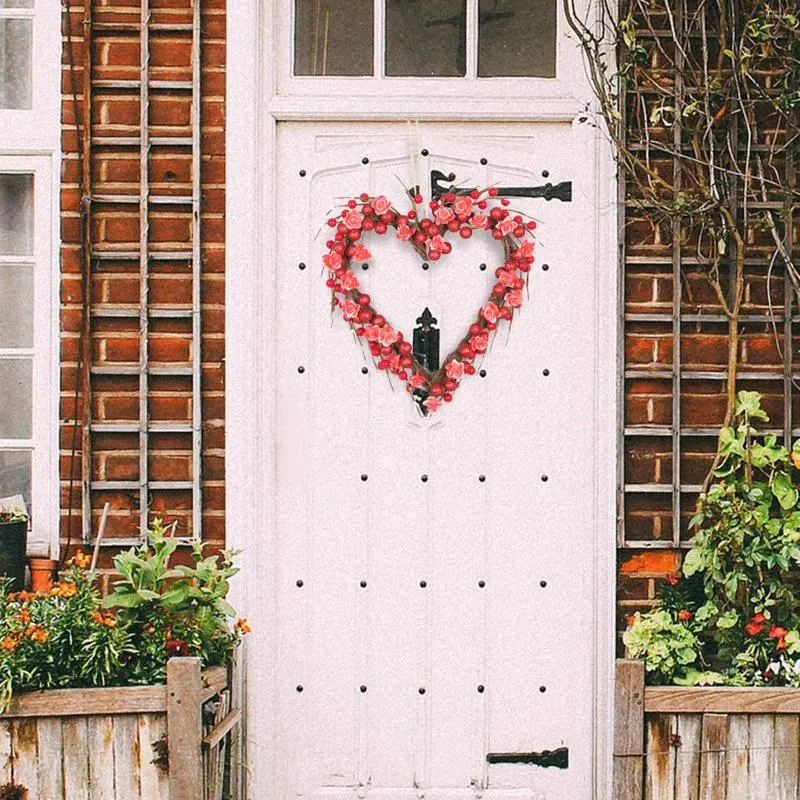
[[128, 743], [676, 743]]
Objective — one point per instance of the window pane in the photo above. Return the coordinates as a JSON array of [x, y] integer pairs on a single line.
[[16, 67], [426, 37], [16, 389], [517, 38], [16, 3], [16, 306], [16, 215], [333, 37], [15, 475]]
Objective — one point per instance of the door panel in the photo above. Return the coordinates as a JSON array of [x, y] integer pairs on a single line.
[[468, 583]]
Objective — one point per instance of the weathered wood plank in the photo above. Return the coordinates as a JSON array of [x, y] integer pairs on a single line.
[[51, 776], [154, 783], [25, 742], [629, 731], [6, 752], [74, 735], [720, 700], [214, 680], [126, 757], [687, 756], [738, 757], [785, 757], [185, 726], [761, 743], [713, 757], [659, 781], [101, 757], [88, 702]]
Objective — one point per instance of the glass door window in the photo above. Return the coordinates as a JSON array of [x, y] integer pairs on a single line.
[[16, 54]]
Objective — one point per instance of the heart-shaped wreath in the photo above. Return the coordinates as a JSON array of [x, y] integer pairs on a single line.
[[464, 214]]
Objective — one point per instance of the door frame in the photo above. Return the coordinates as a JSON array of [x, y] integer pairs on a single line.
[[254, 110]]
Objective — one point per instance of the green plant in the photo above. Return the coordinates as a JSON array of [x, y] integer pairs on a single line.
[[739, 599], [70, 637], [180, 610], [12, 515]]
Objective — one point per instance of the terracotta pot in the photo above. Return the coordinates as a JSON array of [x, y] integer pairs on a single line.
[[43, 571]]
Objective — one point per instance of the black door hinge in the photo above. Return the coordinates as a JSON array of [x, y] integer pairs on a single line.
[[558, 758]]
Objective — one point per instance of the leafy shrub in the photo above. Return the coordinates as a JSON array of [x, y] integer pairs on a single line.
[[738, 603], [70, 637]]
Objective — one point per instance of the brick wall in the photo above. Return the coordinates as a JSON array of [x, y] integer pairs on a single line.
[[115, 170]]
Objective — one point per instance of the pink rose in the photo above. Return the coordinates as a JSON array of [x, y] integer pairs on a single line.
[[404, 232], [350, 309], [525, 250], [455, 370], [507, 278], [489, 312], [514, 298], [387, 335], [381, 205], [463, 205], [353, 220], [372, 332], [416, 380], [480, 221], [332, 261], [436, 243], [479, 343], [432, 403], [507, 227], [360, 253], [348, 281], [394, 362], [443, 215]]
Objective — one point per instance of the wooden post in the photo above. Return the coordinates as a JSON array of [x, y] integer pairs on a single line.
[[184, 728], [629, 731]]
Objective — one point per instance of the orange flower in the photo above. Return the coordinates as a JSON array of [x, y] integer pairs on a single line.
[[81, 560], [672, 580], [9, 644], [67, 589], [24, 616], [242, 626], [149, 630], [97, 617], [684, 615]]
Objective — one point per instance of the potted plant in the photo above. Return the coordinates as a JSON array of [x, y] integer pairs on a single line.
[[13, 538], [43, 573], [733, 618]]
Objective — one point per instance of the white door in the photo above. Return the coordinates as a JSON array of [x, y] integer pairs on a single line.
[[435, 585]]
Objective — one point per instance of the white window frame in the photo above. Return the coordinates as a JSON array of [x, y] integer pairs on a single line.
[[36, 128], [30, 143], [557, 91]]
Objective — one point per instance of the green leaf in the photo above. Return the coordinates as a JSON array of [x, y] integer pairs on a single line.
[[750, 403], [694, 562], [784, 491]]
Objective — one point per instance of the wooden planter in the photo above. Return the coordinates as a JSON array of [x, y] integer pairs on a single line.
[[130, 743], [676, 743]]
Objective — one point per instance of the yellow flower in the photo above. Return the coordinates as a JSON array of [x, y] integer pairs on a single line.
[[82, 560], [67, 589], [9, 643]]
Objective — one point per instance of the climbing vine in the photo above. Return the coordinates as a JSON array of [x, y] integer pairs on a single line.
[[700, 99]]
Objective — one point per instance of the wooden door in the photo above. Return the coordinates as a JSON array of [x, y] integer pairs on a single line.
[[435, 587]]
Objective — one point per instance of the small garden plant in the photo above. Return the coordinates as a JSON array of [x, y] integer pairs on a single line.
[[71, 637], [733, 619]]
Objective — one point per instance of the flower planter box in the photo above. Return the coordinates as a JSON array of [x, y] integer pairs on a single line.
[[129, 743], [676, 743]]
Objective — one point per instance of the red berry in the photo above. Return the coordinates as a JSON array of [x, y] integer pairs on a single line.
[[496, 234], [475, 329], [447, 247], [359, 331], [419, 237], [332, 222], [531, 226], [387, 217], [474, 194], [496, 213], [364, 196], [465, 232], [351, 203], [469, 369], [434, 255], [437, 390], [417, 198], [405, 348], [448, 397], [403, 375], [363, 299], [412, 214], [379, 320], [519, 231], [498, 288], [367, 209], [433, 205], [524, 267], [505, 312], [383, 364], [505, 202], [354, 235], [330, 283], [401, 219], [365, 315], [453, 225], [450, 384], [380, 227], [368, 224], [518, 218], [491, 325], [406, 361], [482, 204], [386, 351], [492, 192]]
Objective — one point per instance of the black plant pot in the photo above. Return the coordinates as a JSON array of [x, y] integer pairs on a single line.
[[13, 537]]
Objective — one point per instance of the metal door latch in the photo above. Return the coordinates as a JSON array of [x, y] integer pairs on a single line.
[[558, 758], [560, 191]]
